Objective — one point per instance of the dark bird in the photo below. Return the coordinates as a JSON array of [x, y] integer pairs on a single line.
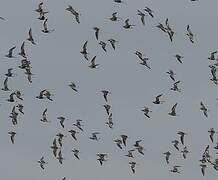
[[142, 15], [84, 50], [44, 116], [112, 42], [10, 52], [39, 9], [94, 136], [203, 167], [132, 166], [45, 27], [124, 138], [30, 38], [110, 121], [93, 65], [130, 153], [118, 143], [212, 56], [173, 110], [114, 17], [20, 108], [54, 147], [22, 50], [74, 12], [75, 153], [127, 25], [73, 86], [107, 108], [175, 144], [175, 86], [182, 135], [101, 158], [62, 119], [60, 138], [42, 163], [73, 133], [18, 94], [179, 58], [157, 99], [5, 88], [41, 94], [78, 124], [172, 74], [185, 152], [212, 132], [11, 97], [149, 11], [96, 32], [105, 94], [190, 34], [175, 169], [167, 156], [204, 109], [9, 73], [12, 135], [103, 45], [161, 27]]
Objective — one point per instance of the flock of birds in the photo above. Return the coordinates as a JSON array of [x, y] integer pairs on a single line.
[[78, 127]]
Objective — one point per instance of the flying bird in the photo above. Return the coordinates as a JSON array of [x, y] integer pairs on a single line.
[[142, 15], [84, 50], [93, 65], [12, 135], [74, 12], [146, 110], [94, 136], [190, 34], [157, 99], [30, 38], [175, 169], [211, 132], [175, 144], [204, 109], [124, 138], [107, 108], [212, 56], [167, 156], [96, 29], [112, 42], [75, 153], [149, 11], [54, 147], [127, 25], [173, 110], [179, 58], [45, 27], [5, 88], [42, 162], [22, 50], [73, 133], [182, 135], [10, 52], [73, 86]]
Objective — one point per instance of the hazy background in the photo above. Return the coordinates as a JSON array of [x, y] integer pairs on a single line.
[[56, 62]]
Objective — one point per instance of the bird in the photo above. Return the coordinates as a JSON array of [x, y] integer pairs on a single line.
[[93, 65], [127, 25], [146, 110], [74, 12], [175, 169], [130, 153], [60, 138], [41, 94], [118, 1], [30, 38], [11, 97], [112, 42], [167, 156], [78, 124], [103, 45], [182, 135], [124, 138], [44, 116], [211, 132], [73, 86], [203, 167], [12, 135], [107, 108], [216, 147], [73, 133], [9, 73], [62, 119], [137, 143], [140, 149], [18, 94], [101, 158], [204, 109], [10, 52], [142, 15], [149, 11], [118, 143], [76, 153], [84, 50], [39, 9], [114, 17], [94, 136], [175, 86], [175, 144], [60, 157], [22, 50], [42, 162], [96, 29], [20, 108], [157, 99], [212, 56], [45, 27], [190, 34], [173, 110], [5, 88], [179, 58], [54, 147], [105, 94], [161, 27], [185, 152], [110, 122], [132, 166], [172, 74]]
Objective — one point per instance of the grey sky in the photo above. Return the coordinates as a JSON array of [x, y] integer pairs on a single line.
[[56, 62]]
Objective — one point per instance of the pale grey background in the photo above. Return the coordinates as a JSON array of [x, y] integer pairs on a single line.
[[56, 61]]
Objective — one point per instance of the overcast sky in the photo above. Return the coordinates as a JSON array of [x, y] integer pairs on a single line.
[[56, 61]]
